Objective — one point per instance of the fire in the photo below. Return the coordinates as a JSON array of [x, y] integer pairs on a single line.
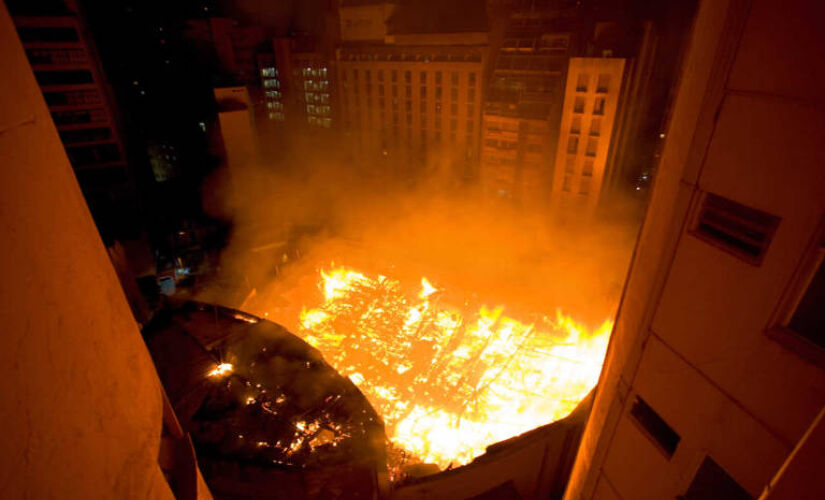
[[448, 382], [221, 370]]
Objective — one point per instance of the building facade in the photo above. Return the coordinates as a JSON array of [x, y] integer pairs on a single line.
[[65, 63], [412, 102], [714, 382], [410, 86], [522, 108], [591, 99]]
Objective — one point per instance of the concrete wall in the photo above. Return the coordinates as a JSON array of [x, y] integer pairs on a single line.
[[81, 404], [692, 337]]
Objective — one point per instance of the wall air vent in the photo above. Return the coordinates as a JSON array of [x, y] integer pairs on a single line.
[[742, 231]]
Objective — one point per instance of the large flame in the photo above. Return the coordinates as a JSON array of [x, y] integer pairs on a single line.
[[449, 383]]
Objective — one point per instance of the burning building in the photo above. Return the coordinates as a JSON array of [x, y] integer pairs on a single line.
[[712, 387]]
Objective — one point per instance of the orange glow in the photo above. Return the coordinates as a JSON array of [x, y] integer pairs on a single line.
[[450, 382], [221, 370]]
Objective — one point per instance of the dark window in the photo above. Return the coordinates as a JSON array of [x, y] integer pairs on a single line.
[[604, 81], [581, 83], [595, 127], [63, 77], [71, 97], [655, 426], [809, 318], [88, 155], [407, 77], [587, 169], [438, 78], [47, 34], [79, 116], [592, 145], [578, 106], [572, 144], [598, 106], [576, 125], [85, 135], [737, 229], [712, 482], [472, 79]]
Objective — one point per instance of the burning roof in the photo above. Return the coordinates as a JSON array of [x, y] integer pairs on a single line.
[[258, 401]]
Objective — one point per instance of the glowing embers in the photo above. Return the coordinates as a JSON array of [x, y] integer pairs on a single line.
[[448, 382], [221, 370]]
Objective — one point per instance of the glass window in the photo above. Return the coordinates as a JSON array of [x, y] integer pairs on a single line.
[[604, 81], [598, 106], [438, 78]]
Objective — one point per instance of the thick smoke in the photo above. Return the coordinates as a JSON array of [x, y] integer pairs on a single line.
[[314, 205]]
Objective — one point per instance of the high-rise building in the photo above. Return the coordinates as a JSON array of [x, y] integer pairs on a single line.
[[714, 381], [306, 80], [521, 111], [591, 99], [417, 92], [65, 63]]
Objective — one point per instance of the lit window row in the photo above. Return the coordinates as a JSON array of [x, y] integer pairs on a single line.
[[269, 72], [320, 122]]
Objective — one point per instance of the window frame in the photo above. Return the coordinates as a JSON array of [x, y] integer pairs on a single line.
[[778, 329]]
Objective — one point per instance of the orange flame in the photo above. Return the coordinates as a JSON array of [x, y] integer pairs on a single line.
[[449, 383]]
